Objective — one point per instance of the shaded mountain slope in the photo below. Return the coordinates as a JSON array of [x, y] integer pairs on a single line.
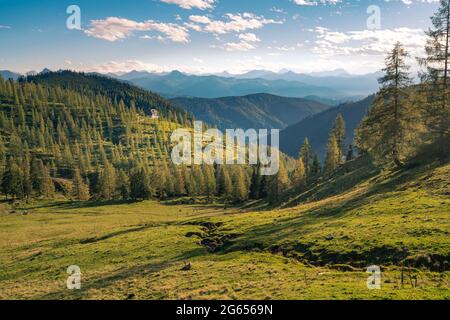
[[252, 111], [317, 127]]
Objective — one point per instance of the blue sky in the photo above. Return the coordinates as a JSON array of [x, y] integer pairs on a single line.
[[208, 36]]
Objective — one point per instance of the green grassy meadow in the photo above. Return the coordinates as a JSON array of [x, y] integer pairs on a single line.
[[314, 250]]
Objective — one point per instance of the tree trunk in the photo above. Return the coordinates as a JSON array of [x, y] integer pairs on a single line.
[[395, 152]]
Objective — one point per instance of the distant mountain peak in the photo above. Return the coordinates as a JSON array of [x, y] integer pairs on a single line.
[[176, 73], [7, 74], [45, 70]]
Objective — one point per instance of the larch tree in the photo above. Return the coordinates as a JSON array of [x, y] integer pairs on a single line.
[[107, 182], [299, 174], [123, 185], [339, 132], [306, 154], [240, 190], [80, 189], [278, 183], [332, 160]]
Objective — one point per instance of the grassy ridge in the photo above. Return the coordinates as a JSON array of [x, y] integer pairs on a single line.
[[390, 218]]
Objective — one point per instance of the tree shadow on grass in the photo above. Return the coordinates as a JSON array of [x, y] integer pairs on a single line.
[[280, 230], [81, 204], [122, 274]]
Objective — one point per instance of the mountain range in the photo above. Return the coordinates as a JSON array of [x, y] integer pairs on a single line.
[[340, 80], [259, 111], [336, 86], [177, 84], [331, 87]]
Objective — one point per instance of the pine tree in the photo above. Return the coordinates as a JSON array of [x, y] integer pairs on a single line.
[[225, 185], [333, 154], [307, 155], [316, 167], [140, 185], [47, 186], [107, 183], [11, 180], [255, 186], [41, 180], [80, 190], [299, 174], [179, 187], [436, 80], [190, 182], [339, 132], [240, 191], [198, 175], [123, 185], [26, 176], [384, 132], [278, 183], [210, 181]]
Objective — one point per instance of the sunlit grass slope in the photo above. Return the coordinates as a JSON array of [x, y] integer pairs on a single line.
[[317, 249]]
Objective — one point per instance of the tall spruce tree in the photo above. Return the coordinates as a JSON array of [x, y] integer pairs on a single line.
[[384, 132]]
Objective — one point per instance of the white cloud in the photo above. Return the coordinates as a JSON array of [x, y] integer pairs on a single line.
[[408, 2], [114, 28], [190, 4], [282, 48], [239, 46], [4, 27], [120, 67], [368, 42], [278, 10], [249, 37], [315, 2], [235, 23], [246, 42]]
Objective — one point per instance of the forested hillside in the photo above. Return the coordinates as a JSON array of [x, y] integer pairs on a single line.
[[78, 142], [73, 135], [257, 111], [316, 127], [115, 90]]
